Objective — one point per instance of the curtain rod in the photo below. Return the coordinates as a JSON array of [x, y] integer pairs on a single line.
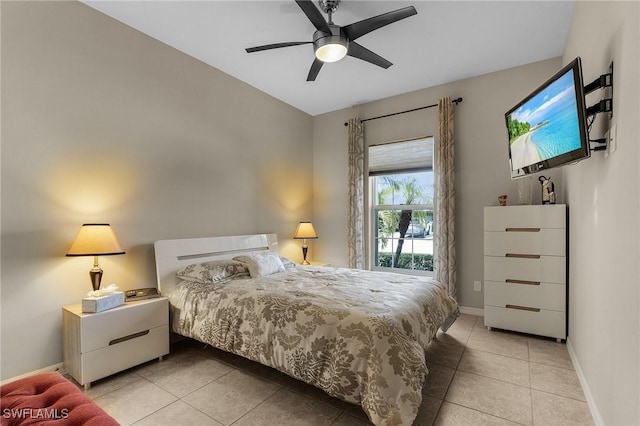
[[455, 101]]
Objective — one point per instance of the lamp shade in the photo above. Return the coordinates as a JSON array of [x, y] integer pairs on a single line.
[[95, 239], [305, 231]]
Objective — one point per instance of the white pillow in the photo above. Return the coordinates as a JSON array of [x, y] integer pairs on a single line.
[[262, 264]]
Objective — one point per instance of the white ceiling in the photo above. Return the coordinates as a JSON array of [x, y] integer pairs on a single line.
[[446, 41]]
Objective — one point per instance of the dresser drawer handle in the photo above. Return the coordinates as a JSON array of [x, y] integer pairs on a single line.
[[129, 337], [522, 229], [512, 281], [522, 308], [523, 256]]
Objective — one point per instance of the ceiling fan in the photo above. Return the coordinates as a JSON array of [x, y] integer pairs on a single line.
[[332, 42]]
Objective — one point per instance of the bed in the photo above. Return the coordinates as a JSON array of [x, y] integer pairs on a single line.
[[358, 335]]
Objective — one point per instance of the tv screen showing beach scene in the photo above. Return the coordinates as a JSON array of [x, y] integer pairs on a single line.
[[547, 125]]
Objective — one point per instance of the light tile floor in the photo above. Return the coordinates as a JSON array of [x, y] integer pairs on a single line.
[[476, 377]]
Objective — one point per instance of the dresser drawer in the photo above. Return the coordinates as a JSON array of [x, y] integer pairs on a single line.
[[543, 296], [501, 218], [98, 330], [550, 242], [543, 323], [550, 269]]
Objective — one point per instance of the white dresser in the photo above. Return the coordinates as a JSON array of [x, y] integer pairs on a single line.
[[525, 269]]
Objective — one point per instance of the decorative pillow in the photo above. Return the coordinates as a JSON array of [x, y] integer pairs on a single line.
[[213, 271], [288, 263], [262, 264]]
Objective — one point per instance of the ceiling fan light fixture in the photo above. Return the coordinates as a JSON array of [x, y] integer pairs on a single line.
[[332, 42], [331, 48]]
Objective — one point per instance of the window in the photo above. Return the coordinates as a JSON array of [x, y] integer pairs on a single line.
[[402, 191]]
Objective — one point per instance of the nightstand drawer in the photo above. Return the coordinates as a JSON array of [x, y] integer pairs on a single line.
[[550, 269], [121, 322], [550, 242], [122, 355], [543, 296]]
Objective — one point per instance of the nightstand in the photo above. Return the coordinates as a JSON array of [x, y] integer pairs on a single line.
[[98, 345]]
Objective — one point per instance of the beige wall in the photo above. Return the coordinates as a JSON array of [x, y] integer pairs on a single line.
[[103, 124], [482, 170], [603, 195]]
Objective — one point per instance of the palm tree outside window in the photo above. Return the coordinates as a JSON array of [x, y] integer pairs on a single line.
[[401, 181]]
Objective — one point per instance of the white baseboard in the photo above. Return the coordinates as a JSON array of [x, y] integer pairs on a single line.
[[56, 367], [472, 311], [595, 413]]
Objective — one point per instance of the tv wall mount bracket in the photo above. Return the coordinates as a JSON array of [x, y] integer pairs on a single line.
[[604, 105]]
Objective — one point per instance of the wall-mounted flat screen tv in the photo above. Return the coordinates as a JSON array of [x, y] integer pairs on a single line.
[[549, 127]]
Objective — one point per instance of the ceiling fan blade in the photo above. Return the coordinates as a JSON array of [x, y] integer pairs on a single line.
[[314, 15], [276, 46], [358, 51], [315, 69], [360, 28]]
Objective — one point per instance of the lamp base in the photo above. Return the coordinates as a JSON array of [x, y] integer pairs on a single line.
[[96, 277], [304, 255]]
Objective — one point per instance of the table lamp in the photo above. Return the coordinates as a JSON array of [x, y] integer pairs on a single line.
[[303, 232], [95, 239]]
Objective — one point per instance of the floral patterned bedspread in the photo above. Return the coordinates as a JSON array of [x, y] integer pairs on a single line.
[[358, 335]]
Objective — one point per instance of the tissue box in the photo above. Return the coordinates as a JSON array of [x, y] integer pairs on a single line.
[[102, 303]]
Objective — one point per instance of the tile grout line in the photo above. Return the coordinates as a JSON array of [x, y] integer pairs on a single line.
[[199, 410], [484, 412], [289, 389], [533, 418], [259, 404], [491, 378], [342, 412]]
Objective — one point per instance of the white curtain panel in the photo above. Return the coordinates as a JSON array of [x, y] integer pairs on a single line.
[[355, 139], [445, 204]]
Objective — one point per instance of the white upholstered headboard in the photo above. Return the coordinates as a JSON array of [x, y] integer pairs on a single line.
[[171, 255]]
